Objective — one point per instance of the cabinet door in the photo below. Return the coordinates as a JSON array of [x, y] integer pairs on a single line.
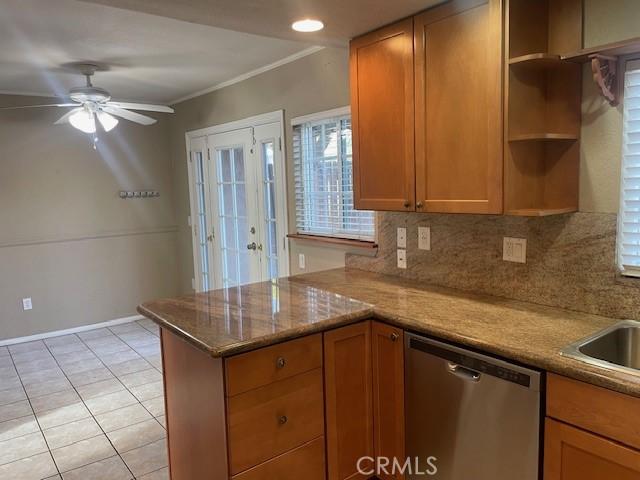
[[459, 134], [348, 399], [573, 454], [382, 115], [388, 394]]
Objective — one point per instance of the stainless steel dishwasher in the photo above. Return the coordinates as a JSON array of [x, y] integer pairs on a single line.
[[477, 416]]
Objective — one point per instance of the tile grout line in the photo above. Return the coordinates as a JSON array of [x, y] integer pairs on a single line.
[[127, 388], [84, 343], [89, 410], [34, 414], [134, 349], [129, 391]]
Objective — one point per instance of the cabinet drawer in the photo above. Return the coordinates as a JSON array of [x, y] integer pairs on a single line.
[[255, 369], [596, 409], [273, 419], [573, 454], [305, 462]]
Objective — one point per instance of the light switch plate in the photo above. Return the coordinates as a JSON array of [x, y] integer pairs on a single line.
[[402, 258], [424, 238], [301, 261], [402, 237], [514, 250], [27, 304]]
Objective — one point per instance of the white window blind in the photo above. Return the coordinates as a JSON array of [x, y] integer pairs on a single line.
[[324, 180], [629, 217]]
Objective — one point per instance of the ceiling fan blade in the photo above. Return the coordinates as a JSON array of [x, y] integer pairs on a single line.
[[127, 115], [41, 106], [65, 117], [141, 106]]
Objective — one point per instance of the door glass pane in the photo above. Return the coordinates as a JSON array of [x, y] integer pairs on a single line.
[[268, 168], [236, 260], [201, 220]]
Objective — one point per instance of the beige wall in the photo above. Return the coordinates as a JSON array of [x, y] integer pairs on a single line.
[[320, 82], [67, 241], [605, 22], [312, 84]]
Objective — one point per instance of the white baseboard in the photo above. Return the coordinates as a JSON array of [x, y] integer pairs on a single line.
[[68, 331]]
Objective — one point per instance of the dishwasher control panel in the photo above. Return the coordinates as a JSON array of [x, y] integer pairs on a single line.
[[472, 363]]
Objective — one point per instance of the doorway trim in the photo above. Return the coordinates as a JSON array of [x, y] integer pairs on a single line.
[[249, 122]]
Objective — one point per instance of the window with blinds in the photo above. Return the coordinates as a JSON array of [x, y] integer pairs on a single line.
[[324, 180], [629, 217]]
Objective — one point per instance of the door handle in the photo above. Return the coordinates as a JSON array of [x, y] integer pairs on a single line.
[[252, 246], [463, 373]]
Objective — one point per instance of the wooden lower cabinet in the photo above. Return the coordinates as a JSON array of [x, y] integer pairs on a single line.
[[388, 394], [277, 413], [305, 462], [195, 411], [348, 399], [573, 454], [271, 420], [591, 433]]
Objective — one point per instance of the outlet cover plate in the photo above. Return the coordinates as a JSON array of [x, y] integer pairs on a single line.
[[27, 304], [424, 238], [402, 258], [402, 237], [514, 250]]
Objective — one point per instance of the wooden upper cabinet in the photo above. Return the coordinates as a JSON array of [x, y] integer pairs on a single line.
[[382, 114], [573, 454], [348, 399], [388, 394], [459, 132]]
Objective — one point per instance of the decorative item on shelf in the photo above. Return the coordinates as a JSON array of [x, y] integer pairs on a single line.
[[604, 70], [125, 194]]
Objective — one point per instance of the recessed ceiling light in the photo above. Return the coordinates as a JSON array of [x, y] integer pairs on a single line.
[[307, 25]]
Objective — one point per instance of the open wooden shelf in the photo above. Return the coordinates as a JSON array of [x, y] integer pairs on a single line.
[[615, 49], [545, 137], [540, 212], [536, 60], [543, 107]]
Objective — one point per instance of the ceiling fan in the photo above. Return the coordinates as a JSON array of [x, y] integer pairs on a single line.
[[90, 103]]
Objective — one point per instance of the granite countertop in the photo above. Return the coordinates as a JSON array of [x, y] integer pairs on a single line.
[[227, 322]]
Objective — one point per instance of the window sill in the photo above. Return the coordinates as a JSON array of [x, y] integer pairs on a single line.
[[348, 242]]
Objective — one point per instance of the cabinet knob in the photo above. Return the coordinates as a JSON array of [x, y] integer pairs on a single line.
[[394, 336], [419, 205], [282, 420], [280, 362], [407, 204]]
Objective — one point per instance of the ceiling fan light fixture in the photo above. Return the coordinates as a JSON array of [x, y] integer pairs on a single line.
[[307, 25], [107, 121], [83, 121]]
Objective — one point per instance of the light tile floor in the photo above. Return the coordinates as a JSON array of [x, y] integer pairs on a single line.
[[84, 407]]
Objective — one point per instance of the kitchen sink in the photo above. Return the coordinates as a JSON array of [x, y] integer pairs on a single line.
[[615, 348]]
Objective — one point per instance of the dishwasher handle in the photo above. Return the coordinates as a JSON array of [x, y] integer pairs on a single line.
[[463, 373]]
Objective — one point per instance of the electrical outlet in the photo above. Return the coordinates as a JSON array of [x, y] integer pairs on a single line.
[[27, 304], [514, 250], [301, 261], [424, 238], [402, 258], [402, 237]]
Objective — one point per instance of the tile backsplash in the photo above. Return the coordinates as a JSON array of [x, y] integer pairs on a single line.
[[570, 259]]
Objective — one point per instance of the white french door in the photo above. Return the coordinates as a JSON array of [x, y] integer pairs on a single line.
[[238, 206]]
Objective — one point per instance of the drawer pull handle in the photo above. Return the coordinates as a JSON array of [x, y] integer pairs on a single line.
[[282, 420], [280, 363], [394, 336]]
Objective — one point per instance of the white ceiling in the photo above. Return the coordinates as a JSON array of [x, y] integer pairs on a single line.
[[150, 58], [343, 19]]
